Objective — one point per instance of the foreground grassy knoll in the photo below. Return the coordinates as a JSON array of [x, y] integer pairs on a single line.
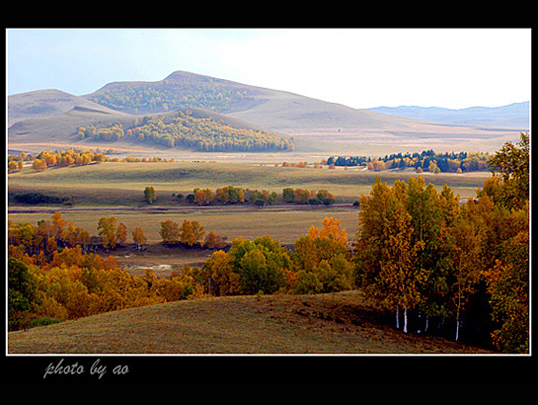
[[345, 322], [115, 183]]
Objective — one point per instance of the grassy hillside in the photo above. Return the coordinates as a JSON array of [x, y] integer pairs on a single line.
[[343, 322]]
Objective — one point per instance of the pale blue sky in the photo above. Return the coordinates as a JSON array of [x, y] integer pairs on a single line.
[[360, 68]]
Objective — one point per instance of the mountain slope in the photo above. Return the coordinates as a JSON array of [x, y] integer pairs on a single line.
[[511, 116]]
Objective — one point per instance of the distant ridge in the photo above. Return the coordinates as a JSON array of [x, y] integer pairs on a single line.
[[514, 115]]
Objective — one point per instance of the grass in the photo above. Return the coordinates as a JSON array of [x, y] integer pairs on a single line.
[[345, 322], [113, 184]]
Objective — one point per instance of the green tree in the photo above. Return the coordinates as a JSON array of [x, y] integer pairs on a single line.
[[150, 195], [22, 291], [512, 163]]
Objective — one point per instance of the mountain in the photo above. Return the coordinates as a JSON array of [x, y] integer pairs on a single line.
[[46, 103], [50, 118], [275, 110], [510, 116]]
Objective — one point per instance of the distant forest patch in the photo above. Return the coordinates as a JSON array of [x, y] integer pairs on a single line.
[[204, 134], [424, 161], [141, 99]]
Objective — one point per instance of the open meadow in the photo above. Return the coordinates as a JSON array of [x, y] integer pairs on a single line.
[[114, 184]]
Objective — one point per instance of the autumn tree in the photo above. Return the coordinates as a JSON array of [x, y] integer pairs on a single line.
[[107, 231], [213, 241], [321, 259], [386, 259], [169, 232], [39, 164], [191, 233], [139, 238], [203, 197], [508, 285], [222, 277], [121, 234]]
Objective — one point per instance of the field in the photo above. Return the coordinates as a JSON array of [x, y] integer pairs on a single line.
[[116, 189], [122, 184], [336, 323]]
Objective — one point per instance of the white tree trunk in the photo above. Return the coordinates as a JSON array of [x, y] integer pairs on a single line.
[[405, 320], [427, 322], [397, 318], [458, 320], [457, 324]]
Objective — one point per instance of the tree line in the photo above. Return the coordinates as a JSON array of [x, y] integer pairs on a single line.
[[71, 157], [424, 161], [238, 195]]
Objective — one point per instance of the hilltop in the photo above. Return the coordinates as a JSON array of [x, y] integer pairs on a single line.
[[344, 322]]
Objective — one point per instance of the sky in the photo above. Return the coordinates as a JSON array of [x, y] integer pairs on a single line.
[[359, 68]]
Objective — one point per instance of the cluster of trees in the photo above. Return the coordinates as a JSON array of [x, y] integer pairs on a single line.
[[68, 158], [238, 195], [152, 98], [422, 254], [40, 198], [72, 284], [189, 233], [51, 281], [312, 197], [320, 262], [424, 161], [72, 157], [229, 195], [206, 134], [114, 132]]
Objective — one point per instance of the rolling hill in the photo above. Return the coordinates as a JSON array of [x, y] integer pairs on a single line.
[[345, 322], [46, 103], [51, 118]]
